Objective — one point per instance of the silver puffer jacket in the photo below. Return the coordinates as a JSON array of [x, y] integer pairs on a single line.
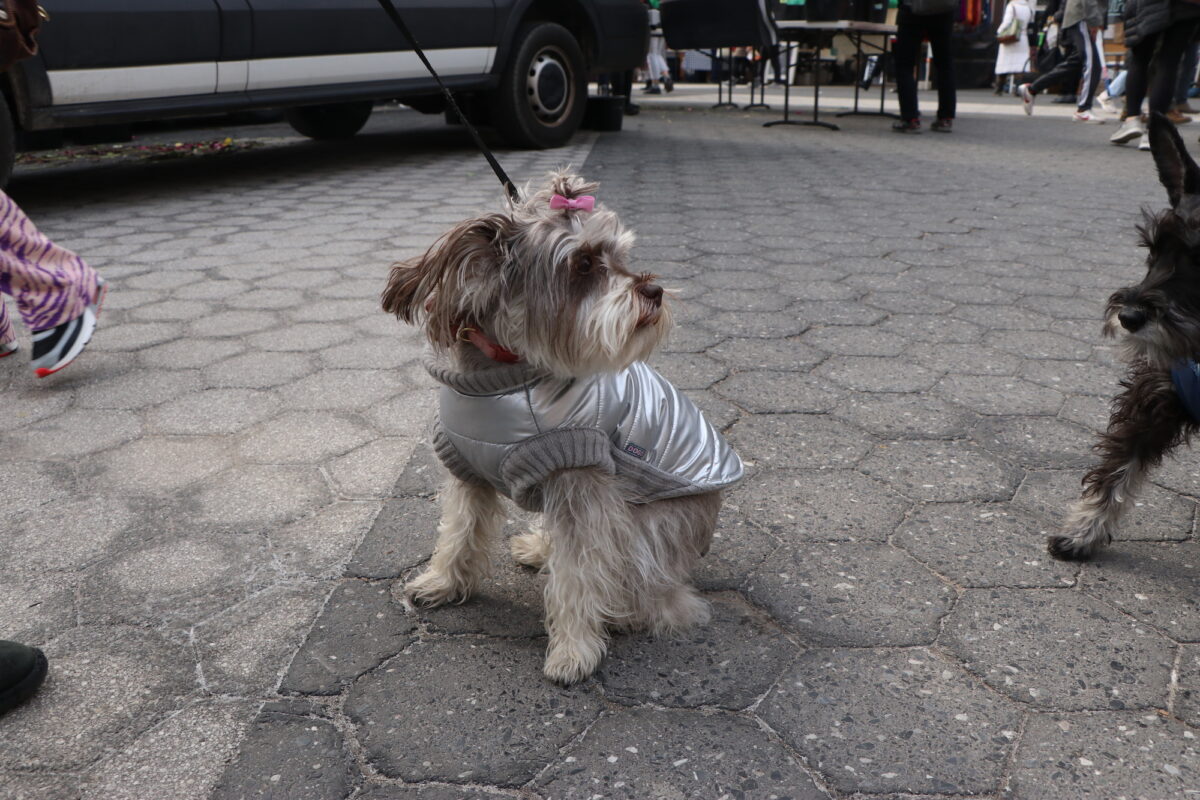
[[510, 428]]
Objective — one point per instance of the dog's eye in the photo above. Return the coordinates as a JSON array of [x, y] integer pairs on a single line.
[[584, 265]]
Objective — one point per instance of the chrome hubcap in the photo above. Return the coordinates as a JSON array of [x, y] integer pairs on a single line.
[[548, 85]]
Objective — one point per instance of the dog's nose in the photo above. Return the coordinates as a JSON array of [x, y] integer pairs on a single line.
[[1131, 319], [652, 292]]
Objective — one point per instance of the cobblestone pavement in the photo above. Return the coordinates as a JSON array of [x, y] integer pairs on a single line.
[[900, 336]]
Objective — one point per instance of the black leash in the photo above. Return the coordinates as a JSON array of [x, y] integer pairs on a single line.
[[491, 159]]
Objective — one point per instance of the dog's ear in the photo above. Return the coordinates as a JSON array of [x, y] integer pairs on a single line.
[[440, 284], [1176, 169]]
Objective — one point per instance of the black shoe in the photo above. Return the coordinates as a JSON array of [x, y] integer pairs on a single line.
[[942, 125], [22, 670], [652, 90], [668, 84], [632, 109], [907, 126]]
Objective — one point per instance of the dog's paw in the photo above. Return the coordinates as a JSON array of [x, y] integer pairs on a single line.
[[431, 589], [530, 549], [679, 610], [1065, 548], [568, 663]]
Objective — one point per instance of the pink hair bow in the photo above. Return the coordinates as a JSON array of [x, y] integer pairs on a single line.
[[582, 203]]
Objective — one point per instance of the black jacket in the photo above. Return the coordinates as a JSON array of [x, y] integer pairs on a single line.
[[1144, 18]]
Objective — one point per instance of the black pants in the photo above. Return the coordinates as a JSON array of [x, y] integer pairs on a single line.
[[910, 30], [1081, 68], [1154, 66]]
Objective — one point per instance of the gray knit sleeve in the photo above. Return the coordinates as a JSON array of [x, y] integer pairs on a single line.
[[448, 454], [529, 463]]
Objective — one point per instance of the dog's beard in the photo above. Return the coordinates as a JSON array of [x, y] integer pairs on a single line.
[[617, 329], [1160, 343]]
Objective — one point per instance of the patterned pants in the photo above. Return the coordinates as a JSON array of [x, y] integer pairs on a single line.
[[50, 284]]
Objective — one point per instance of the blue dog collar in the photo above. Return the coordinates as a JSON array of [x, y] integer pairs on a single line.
[[1186, 377]]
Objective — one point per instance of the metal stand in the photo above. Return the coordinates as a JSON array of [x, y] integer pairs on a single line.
[[857, 36], [816, 92], [721, 101], [762, 87]]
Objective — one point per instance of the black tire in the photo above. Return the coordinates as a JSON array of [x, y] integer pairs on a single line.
[[8, 143], [543, 90], [332, 121]]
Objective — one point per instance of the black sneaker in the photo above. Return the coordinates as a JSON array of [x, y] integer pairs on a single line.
[[907, 126], [668, 84], [942, 125], [652, 90], [55, 348], [22, 670]]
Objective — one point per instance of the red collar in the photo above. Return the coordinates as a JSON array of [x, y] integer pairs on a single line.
[[485, 345]]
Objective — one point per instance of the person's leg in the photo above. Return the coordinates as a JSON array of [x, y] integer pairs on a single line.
[[1090, 73], [1067, 71], [939, 28], [1164, 70], [908, 42], [51, 284], [1138, 74], [1187, 73]]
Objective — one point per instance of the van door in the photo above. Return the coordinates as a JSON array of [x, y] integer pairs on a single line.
[[323, 42], [101, 50]]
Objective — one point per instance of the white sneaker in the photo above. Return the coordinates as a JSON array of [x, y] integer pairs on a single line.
[[1131, 128], [7, 348], [1144, 144], [1109, 105], [1026, 98], [1087, 116]]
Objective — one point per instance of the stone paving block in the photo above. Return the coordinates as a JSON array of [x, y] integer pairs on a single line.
[[402, 536], [1075, 377], [375, 352], [917, 416], [1179, 472], [214, 411], [189, 353], [1156, 515], [466, 710], [728, 662], [689, 370], [84, 526], [1093, 414], [25, 404], [287, 757], [181, 757], [646, 752], [107, 685], [241, 648], [1038, 345], [819, 505], [156, 464], [33, 610], [232, 323], [172, 580], [132, 336], [781, 325], [797, 440], [942, 471], [1153, 583], [835, 312], [374, 790], [139, 389], [321, 544], [1114, 754], [748, 301], [508, 604], [986, 394], [358, 629], [258, 370], [859, 594], [742, 354], [877, 374], [963, 359], [893, 721], [919, 329], [855, 341], [306, 336], [341, 390], [737, 548], [1103, 659], [255, 496], [170, 310], [982, 545], [39, 786], [370, 471], [72, 434], [302, 438], [772, 392], [1037, 442], [1186, 704]]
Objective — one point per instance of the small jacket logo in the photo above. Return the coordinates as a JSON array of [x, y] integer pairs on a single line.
[[634, 450]]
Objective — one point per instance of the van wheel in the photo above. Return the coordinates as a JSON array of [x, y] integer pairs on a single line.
[[8, 144], [331, 121], [543, 91]]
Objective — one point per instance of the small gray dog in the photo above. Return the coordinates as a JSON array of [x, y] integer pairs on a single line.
[[1159, 324], [539, 332]]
